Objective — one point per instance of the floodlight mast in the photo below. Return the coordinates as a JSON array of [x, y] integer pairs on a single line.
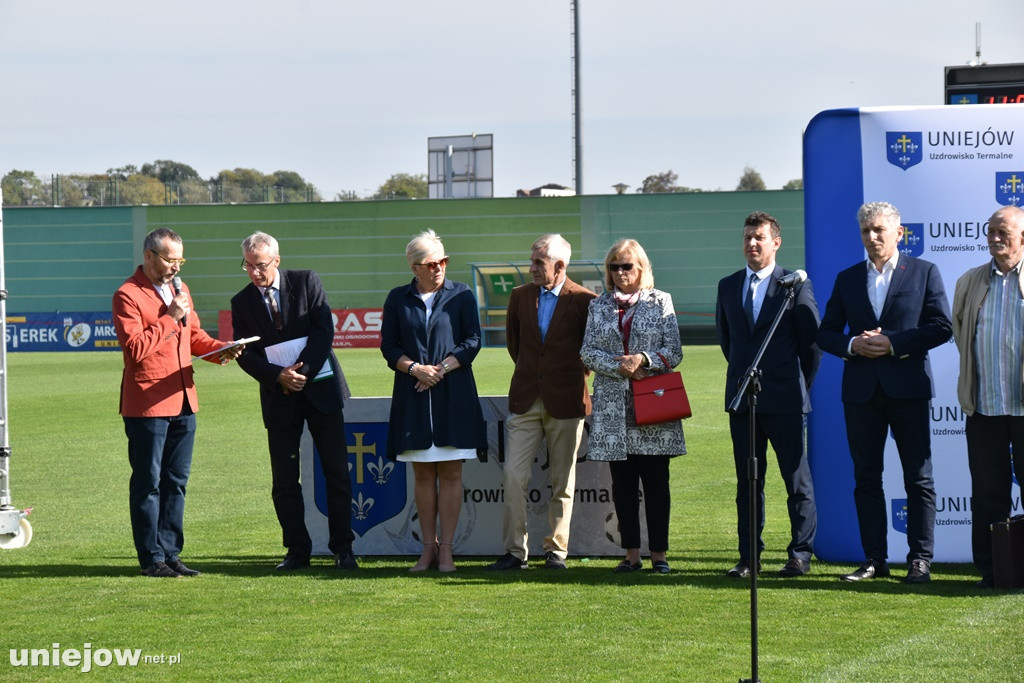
[[977, 46], [577, 106], [15, 530]]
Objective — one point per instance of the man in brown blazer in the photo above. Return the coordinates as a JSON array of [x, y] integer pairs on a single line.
[[547, 399]]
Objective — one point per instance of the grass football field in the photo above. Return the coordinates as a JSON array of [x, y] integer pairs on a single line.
[[77, 587]]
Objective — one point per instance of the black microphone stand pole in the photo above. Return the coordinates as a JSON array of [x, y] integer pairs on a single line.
[[749, 387]]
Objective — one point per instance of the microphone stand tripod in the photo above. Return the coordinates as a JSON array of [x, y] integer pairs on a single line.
[[749, 387]]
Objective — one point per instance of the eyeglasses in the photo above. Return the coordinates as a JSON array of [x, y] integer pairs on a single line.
[[624, 267], [260, 267], [169, 261], [433, 265]]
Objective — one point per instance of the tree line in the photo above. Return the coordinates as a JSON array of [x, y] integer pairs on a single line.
[[171, 182], [666, 182]]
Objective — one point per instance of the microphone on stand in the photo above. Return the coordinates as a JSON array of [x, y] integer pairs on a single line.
[[176, 283], [791, 280]]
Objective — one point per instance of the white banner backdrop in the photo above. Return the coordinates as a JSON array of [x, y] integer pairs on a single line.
[[947, 169], [384, 515]]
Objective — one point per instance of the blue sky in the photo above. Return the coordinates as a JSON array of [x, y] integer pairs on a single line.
[[347, 93]]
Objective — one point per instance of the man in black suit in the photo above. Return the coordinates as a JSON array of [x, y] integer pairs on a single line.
[[882, 318], [748, 301], [278, 306]]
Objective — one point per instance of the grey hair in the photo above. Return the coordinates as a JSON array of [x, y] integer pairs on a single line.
[[873, 210], [422, 246], [554, 247], [260, 239], [155, 239]]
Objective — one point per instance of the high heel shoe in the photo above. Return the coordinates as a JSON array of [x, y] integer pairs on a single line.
[[427, 559], [446, 567]]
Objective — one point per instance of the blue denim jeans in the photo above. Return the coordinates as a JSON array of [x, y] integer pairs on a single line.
[[160, 454]]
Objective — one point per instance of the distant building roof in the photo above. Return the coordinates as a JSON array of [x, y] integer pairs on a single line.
[[549, 190]]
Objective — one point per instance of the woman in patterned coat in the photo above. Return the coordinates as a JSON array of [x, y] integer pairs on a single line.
[[632, 333]]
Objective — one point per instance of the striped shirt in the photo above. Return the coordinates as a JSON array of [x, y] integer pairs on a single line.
[[998, 346]]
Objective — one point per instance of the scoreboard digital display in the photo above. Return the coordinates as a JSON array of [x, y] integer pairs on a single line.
[[985, 84]]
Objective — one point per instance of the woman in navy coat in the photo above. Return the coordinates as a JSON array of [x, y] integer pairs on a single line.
[[429, 337]]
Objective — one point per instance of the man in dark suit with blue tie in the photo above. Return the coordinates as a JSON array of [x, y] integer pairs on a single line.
[[882, 318], [748, 301], [278, 306]]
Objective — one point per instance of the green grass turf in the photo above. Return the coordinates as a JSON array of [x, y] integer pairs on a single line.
[[78, 581]]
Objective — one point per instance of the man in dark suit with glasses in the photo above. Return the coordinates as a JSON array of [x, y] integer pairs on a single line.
[[279, 306]]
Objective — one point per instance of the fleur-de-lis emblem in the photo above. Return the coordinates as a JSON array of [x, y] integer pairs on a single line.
[[361, 507], [381, 470]]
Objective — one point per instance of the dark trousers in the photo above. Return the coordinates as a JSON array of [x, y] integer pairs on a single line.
[[866, 427], [328, 432], [989, 442], [786, 434], [627, 475], [160, 455]]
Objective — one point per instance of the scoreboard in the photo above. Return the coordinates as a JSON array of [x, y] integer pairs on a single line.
[[985, 84]]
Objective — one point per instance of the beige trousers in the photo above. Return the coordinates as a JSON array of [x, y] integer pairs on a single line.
[[525, 434]]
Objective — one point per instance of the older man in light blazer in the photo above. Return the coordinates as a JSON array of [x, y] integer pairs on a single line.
[[547, 400]]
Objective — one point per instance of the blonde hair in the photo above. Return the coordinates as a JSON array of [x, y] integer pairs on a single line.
[[639, 260], [422, 246]]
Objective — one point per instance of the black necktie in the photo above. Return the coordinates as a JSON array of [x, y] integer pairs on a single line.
[[275, 312], [748, 303]]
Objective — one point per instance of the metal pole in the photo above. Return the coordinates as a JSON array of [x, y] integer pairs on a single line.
[[577, 106], [5, 448], [449, 172], [15, 530]]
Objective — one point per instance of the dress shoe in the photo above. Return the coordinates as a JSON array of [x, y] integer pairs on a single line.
[[742, 571], [506, 562], [795, 567], [345, 560], [160, 570], [177, 565], [553, 561], [871, 569], [919, 572], [626, 566], [660, 567], [292, 562]]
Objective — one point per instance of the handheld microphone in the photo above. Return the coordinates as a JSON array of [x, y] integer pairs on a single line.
[[793, 279], [176, 283]]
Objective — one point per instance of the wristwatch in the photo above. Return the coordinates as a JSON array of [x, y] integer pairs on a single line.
[[447, 368]]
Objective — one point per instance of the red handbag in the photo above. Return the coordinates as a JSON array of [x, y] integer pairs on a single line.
[[660, 398]]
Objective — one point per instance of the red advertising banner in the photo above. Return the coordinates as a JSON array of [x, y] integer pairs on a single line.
[[354, 328]]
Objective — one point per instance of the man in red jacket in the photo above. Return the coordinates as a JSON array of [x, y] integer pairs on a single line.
[[159, 332]]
